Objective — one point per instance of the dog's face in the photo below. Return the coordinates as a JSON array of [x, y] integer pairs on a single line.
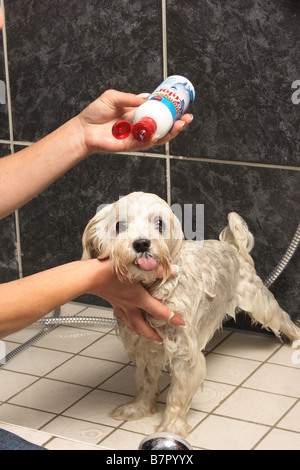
[[137, 233]]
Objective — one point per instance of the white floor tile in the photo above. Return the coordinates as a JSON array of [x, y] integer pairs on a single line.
[[280, 440], [65, 444], [218, 433], [69, 339], [122, 382], [286, 356], [211, 395], [77, 429], [291, 420], [72, 308], [248, 346], [252, 405], [50, 395], [37, 361], [28, 417], [276, 379], [96, 406], [123, 440], [85, 371], [109, 347], [12, 383], [228, 370]]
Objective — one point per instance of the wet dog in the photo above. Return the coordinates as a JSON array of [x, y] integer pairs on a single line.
[[215, 279]]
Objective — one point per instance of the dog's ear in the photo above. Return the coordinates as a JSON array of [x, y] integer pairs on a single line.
[[94, 233]]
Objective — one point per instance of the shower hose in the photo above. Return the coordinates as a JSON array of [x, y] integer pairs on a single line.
[[51, 322]]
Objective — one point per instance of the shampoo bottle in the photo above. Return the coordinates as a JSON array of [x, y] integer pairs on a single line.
[[165, 105]]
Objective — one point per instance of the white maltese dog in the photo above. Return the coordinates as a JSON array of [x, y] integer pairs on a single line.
[[215, 279]]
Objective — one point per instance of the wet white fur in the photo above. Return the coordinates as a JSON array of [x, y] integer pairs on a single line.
[[214, 281]]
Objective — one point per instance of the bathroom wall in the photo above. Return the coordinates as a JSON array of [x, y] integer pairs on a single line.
[[241, 153]]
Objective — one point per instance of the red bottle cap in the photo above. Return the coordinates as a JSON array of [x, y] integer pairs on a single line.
[[121, 129], [144, 129]]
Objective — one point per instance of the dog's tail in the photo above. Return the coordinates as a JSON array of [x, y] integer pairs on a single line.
[[237, 234]]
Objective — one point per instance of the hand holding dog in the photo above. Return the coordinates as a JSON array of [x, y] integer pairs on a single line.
[[128, 299]]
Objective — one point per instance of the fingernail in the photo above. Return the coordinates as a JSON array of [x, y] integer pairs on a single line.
[[144, 95], [191, 118], [177, 320], [174, 270], [182, 127]]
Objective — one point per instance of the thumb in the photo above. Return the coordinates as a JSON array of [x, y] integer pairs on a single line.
[[161, 312], [174, 271]]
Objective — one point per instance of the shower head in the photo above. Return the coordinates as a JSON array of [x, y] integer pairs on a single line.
[[164, 441]]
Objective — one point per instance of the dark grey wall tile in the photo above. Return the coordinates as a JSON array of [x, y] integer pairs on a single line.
[[242, 59], [63, 55], [268, 200], [52, 224], [9, 269]]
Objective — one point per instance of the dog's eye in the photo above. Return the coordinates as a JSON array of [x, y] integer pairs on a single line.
[[120, 226], [160, 225]]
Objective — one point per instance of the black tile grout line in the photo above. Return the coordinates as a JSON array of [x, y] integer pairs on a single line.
[[284, 415], [113, 430]]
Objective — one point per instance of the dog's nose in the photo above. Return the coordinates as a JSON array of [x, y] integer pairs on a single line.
[[141, 245]]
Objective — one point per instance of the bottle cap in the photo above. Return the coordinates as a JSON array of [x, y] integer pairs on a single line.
[[144, 129], [121, 129]]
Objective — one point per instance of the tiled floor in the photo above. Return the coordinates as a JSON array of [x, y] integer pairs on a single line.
[[59, 392]]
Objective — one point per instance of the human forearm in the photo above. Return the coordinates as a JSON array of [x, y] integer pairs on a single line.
[[24, 301], [26, 173]]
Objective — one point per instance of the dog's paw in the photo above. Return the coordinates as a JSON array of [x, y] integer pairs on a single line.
[[179, 427], [132, 411]]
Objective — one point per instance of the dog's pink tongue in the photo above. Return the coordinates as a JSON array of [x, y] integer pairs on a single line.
[[147, 264]]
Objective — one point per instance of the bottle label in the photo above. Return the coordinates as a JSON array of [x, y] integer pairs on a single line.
[[176, 93]]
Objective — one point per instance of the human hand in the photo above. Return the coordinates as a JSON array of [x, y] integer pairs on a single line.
[[99, 117], [128, 301]]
